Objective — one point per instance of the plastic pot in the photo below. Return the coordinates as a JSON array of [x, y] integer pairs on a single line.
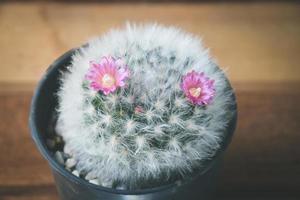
[[200, 187]]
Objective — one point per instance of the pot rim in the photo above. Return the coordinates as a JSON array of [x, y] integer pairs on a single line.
[[67, 174]]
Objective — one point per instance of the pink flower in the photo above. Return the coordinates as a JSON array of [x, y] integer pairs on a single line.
[[107, 75], [138, 109], [198, 88]]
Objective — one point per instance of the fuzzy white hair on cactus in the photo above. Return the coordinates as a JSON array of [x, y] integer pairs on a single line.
[[142, 106]]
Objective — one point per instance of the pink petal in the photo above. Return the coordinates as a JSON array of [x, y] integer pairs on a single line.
[[107, 65], [198, 80]]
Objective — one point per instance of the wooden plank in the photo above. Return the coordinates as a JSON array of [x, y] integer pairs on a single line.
[[261, 163], [39, 192], [255, 41], [264, 154], [20, 161]]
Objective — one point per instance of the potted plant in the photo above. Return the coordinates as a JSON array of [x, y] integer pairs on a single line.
[[140, 113]]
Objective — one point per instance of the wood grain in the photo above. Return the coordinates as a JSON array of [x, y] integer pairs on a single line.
[[254, 41], [263, 161]]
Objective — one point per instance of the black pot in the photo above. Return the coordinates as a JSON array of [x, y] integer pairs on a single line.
[[70, 187]]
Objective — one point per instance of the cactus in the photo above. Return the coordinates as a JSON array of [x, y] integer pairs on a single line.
[[151, 126]]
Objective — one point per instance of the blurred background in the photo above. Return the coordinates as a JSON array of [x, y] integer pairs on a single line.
[[257, 42]]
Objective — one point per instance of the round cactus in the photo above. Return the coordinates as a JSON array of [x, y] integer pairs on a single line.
[[142, 106]]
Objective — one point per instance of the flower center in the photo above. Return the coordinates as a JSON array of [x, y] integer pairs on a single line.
[[195, 92], [108, 80]]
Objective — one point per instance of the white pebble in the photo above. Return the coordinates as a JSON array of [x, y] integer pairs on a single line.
[[58, 127], [76, 173], [121, 187], [67, 150], [107, 184], [58, 139], [71, 162], [90, 176], [59, 157], [50, 143], [94, 181]]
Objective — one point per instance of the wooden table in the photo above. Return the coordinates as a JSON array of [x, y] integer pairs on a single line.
[[259, 42]]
